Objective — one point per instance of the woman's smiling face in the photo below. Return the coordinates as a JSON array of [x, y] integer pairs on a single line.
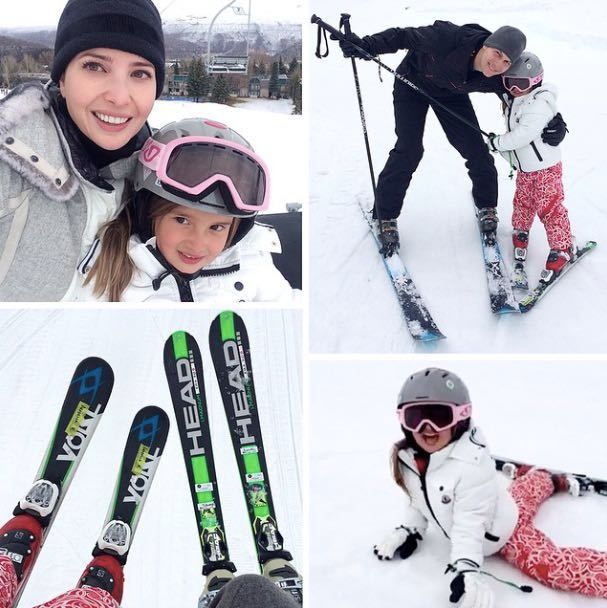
[[109, 95]]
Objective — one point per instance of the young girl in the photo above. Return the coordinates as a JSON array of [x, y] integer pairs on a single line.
[[446, 469], [190, 234], [529, 106], [66, 148]]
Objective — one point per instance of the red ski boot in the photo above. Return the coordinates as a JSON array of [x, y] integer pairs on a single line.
[[20, 540], [104, 572]]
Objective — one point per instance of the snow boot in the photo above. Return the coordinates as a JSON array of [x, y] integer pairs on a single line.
[[281, 572], [20, 541], [388, 236], [104, 572], [487, 219], [216, 580], [520, 240]]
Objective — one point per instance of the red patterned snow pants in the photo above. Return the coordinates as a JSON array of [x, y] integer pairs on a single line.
[[531, 551], [541, 193], [87, 597]]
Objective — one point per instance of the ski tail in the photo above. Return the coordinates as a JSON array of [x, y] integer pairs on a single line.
[[184, 372], [144, 447]]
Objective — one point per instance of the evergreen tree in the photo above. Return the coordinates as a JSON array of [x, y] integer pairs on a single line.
[[295, 89], [196, 79], [293, 65], [282, 69], [206, 81], [176, 70], [221, 90], [273, 88]]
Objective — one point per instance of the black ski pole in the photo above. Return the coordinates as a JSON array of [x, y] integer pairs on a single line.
[[337, 35], [345, 21]]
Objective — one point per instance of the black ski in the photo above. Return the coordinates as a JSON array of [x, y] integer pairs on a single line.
[[419, 321], [142, 451], [549, 278], [229, 345], [183, 368], [87, 396], [586, 483]]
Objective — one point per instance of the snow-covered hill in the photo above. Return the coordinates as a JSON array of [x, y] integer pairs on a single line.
[[353, 307], [549, 413]]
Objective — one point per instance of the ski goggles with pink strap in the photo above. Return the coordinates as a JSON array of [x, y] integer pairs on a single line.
[[195, 165], [439, 415], [521, 83]]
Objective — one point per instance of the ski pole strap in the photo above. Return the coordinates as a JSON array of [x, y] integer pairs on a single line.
[[319, 38], [337, 35]]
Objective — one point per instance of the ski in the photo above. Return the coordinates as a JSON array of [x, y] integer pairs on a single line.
[[519, 279], [183, 368], [230, 351], [86, 399], [548, 278], [585, 484], [142, 451], [419, 321], [501, 298]]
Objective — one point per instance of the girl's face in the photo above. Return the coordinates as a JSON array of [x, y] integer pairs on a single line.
[[491, 62], [432, 441], [109, 94], [190, 239]]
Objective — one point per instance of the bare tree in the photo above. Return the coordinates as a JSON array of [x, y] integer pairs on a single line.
[[29, 64], [8, 69]]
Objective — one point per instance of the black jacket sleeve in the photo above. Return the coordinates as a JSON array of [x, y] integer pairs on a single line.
[[427, 38]]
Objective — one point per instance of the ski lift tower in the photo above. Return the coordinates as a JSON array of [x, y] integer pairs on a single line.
[[238, 10]]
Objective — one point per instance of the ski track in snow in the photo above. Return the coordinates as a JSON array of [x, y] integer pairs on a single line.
[[524, 410], [353, 307]]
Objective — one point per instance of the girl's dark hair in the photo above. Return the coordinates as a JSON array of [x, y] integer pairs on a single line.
[[403, 444]]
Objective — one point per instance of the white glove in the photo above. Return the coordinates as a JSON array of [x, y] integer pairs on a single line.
[[402, 540], [469, 587]]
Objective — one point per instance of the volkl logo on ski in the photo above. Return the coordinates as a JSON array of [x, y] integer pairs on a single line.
[[143, 470], [191, 413], [79, 430], [239, 398]]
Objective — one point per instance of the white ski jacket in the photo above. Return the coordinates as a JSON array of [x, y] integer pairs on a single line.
[[460, 492], [49, 211], [526, 117], [242, 273]]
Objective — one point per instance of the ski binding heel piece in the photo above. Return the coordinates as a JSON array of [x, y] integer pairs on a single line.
[[115, 537]]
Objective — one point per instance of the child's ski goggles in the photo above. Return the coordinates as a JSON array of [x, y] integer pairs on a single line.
[[195, 165], [439, 415], [521, 83]]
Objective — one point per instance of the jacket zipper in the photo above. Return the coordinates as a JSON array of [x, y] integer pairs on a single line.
[[537, 153], [422, 479]]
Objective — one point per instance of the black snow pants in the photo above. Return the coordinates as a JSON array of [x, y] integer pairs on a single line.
[[410, 109]]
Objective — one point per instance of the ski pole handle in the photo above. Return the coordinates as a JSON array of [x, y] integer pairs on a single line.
[[345, 21]]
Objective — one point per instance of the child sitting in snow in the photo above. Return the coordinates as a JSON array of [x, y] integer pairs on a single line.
[[529, 106], [189, 234]]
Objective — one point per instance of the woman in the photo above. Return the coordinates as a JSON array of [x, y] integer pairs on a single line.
[[66, 149], [448, 62]]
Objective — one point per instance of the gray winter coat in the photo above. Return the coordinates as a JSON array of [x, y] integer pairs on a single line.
[[49, 213]]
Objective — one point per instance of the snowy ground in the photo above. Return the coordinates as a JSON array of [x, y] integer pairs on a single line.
[[440, 240], [275, 106], [276, 136], [553, 414], [40, 350]]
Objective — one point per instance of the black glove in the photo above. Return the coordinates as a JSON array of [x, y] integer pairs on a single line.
[[554, 132], [401, 540], [348, 48], [491, 142]]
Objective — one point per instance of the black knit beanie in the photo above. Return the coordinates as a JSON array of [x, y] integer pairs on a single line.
[[133, 26], [509, 40]]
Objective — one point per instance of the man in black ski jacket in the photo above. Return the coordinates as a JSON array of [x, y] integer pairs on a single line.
[[446, 61]]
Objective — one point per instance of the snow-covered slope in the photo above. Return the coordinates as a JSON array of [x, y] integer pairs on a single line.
[[353, 308], [40, 350], [549, 413]]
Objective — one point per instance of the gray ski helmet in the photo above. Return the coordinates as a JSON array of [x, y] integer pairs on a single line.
[[146, 180], [433, 384], [527, 68]]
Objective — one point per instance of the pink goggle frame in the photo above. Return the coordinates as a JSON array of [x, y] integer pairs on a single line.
[[515, 87], [155, 156], [458, 413]]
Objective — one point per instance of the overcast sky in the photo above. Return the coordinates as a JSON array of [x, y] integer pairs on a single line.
[[32, 13]]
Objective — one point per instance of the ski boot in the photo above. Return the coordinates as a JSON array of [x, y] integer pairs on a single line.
[[520, 239], [20, 541], [216, 580], [576, 485], [487, 219], [281, 572], [557, 260], [388, 236], [104, 572]]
